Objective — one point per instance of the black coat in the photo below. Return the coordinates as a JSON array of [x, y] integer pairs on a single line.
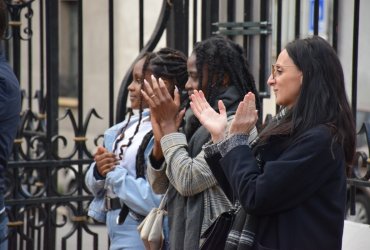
[[298, 195]]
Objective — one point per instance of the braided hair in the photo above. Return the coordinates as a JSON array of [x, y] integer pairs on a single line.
[[121, 136], [140, 159], [224, 57], [168, 64]]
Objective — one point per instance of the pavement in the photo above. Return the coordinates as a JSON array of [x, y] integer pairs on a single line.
[[356, 236], [87, 240]]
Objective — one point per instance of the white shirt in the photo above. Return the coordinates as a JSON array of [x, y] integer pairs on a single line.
[[129, 153]]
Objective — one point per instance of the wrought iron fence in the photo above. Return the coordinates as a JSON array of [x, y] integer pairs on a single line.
[[43, 212]]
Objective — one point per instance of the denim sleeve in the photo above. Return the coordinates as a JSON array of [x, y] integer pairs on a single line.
[[96, 186], [136, 193]]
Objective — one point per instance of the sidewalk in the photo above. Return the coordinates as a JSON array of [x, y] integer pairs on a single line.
[[87, 240], [356, 236]]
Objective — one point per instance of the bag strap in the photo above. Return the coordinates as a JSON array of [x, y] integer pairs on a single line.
[[122, 214], [163, 201]]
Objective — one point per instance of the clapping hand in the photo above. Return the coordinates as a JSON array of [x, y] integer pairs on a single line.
[[246, 116], [105, 161], [163, 108], [214, 122], [244, 121]]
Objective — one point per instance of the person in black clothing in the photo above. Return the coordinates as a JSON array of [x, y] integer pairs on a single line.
[[10, 96], [292, 178]]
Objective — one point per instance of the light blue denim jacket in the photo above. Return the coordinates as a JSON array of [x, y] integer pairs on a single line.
[[136, 193]]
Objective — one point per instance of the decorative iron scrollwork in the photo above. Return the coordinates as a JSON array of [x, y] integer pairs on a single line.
[[15, 8]]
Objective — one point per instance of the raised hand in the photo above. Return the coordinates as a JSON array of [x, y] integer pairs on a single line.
[[214, 122], [163, 107], [105, 161], [246, 116]]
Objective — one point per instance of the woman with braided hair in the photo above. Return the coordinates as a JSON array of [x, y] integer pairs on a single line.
[[177, 163], [117, 178]]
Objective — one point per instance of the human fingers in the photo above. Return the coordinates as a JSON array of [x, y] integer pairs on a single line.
[[246, 115], [176, 96], [148, 88], [251, 101], [243, 108], [147, 99], [164, 90], [251, 112], [249, 104], [148, 94], [221, 108], [240, 111], [160, 91], [247, 110], [195, 103], [106, 169], [106, 163], [203, 101], [106, 157], [156, 89], [100, 150]]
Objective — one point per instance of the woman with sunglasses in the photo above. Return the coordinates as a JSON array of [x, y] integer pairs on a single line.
[[292, 178]]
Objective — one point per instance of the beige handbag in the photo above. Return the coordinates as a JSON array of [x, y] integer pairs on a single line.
[[151, 228]]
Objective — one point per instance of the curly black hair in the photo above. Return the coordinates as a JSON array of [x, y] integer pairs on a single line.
[[223, 57], [170, 64]]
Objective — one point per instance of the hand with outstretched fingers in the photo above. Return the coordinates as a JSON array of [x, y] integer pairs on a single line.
[[163, 108], [105, 161], [246, 116], [214, 122]]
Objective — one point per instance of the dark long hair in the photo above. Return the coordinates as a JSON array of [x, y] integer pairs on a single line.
[[223, 57], [322, 99]]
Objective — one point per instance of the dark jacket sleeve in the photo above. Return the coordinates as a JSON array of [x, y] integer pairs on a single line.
[[289, 179], [214, 164]]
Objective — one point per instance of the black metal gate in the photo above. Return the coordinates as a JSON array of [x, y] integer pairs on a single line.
[[42, 214]]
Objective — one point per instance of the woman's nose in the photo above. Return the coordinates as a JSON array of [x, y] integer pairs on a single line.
[[130, 86], [188, 84], [270, 80]]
